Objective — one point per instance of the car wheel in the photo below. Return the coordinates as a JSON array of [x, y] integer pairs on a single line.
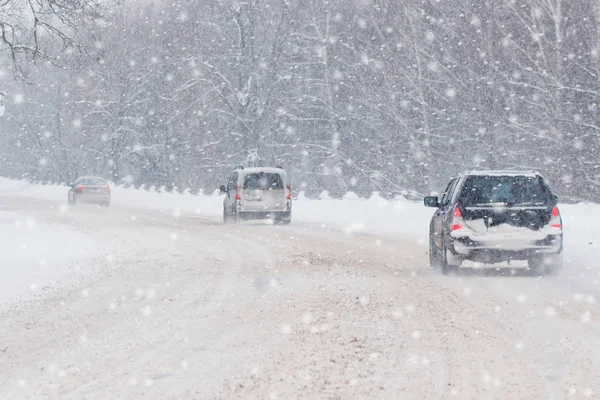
[[536, 265], [434, 254], [545, 264], [557, 263], [449, 265], [236, 216]]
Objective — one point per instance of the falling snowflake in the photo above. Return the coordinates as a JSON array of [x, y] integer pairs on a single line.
[[519, 346], [586, 317], [307, 318]]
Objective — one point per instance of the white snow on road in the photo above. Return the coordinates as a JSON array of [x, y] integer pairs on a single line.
[[36, 255], [339, 304], [351, 214], [400, 219]]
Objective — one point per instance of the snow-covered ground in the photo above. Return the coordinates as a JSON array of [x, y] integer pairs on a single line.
[[351, 214], [340, 304], [37, 255]]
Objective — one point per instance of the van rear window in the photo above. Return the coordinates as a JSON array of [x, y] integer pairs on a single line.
[[91, 181], [263, 181], [509, 190]]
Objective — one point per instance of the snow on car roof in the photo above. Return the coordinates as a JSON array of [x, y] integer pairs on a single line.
[[504, 173], [268, 170]]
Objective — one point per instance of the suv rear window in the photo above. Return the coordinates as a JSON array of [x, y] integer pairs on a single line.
[[263, 181], [509, 190]]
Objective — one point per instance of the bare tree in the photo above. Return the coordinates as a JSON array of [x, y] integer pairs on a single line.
[[44, 29]]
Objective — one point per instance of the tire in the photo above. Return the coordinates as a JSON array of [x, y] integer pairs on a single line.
[[279, 220], [226, 217], [449, 264], [557, 263], [545, 264], [434, 254], [537, 265]]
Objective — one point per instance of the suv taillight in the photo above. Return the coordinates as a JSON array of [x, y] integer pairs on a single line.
[[79, 189], [457, 220], [555, 221]]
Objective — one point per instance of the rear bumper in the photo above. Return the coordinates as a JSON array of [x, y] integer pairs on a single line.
[[250, 207], [93, 198], [264, 214], [469, 249]]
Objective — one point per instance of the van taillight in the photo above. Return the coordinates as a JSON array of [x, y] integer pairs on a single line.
[[238, 196], [555, 212], [289, 196]]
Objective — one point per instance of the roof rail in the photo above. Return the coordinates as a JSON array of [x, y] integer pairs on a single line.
[[508, 172], [239, 167]]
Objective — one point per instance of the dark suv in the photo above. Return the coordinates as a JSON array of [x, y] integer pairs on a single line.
[[496, 216]]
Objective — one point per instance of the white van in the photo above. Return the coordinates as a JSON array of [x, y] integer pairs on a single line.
[[257, 193]]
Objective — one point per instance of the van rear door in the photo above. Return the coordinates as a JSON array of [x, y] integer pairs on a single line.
[[264, 191]]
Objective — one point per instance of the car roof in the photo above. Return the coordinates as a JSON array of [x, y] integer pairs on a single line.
[[530, 173], [268, 170], [92, 177]]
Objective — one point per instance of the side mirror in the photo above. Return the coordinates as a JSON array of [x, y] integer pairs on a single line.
[[554, 199], [223, 189], [431, 201]]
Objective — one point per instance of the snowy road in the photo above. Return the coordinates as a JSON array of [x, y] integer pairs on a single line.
[[184, 307]]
